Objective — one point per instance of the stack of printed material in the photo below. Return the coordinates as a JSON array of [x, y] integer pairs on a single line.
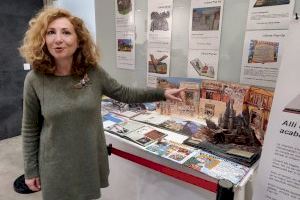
[[139, 133], [124, 109]]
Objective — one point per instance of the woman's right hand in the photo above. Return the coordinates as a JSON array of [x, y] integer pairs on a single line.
[[34, 184]]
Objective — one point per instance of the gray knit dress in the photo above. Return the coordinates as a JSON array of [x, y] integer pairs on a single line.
[[63, 139]]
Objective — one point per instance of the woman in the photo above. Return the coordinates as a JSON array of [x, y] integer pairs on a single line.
[[64, 145]]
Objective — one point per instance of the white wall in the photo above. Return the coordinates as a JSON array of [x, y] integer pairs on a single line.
[[99, 16], [85, 9], [232, 40]]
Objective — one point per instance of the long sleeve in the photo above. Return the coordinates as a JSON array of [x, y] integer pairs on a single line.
[[115, 90], [31, 127]]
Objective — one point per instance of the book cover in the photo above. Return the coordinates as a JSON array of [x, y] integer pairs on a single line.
[[124, 128], [145, 135], [174, 151], [123, 109], [152, 118], [174, 124], [113, 118], [217, 167], [258, 103]]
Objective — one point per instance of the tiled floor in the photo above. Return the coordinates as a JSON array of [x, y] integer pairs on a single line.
[[138, 183], [11, 166]]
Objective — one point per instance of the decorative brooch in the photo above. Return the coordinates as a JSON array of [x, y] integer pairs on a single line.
[[83, 82]]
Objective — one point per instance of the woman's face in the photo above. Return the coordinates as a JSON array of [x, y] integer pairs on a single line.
[[61, 39]]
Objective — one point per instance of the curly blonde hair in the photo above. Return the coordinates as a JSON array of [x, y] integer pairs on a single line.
[[35, 52]]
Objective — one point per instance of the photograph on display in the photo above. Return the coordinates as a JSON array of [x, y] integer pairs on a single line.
[[263, 51], [125, 49], [203, 69], [203, 64], [217, 167], [261, 3], [206, 18], [125, 45], [157, 65], [187, 108], [124, 6], [293, 106], [159, 21]]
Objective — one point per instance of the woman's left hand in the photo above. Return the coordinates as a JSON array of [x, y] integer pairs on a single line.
[[175, 94]]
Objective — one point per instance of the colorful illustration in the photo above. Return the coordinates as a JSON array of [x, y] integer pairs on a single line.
[[125, 45], [263, 51], [156, 65]]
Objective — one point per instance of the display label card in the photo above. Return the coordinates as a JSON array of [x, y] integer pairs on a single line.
[[262, 56], [159, 29], [205, 24], [269, 14]]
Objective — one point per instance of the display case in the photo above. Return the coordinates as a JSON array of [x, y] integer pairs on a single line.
[[138, 174]]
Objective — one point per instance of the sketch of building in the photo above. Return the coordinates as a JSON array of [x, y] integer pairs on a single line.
[[159, 21]]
